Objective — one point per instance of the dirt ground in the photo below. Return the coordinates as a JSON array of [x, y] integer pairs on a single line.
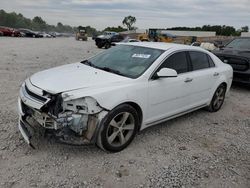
[[200, 149]]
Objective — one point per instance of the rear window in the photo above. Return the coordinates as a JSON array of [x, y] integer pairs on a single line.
[[199, 60], [211, 62]]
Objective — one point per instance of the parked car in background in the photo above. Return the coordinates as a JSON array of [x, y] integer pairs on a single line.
[[16, 33], [107, 39], [52, 34], [107, 99], [45, 35], [1, 33], [6, 31], [237, 54], [30, 33]]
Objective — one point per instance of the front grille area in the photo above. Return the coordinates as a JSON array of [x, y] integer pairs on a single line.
[[238, 64], [26, 109], [35, 96]]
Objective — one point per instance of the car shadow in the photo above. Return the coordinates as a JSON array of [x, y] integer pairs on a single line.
[[240, 86]]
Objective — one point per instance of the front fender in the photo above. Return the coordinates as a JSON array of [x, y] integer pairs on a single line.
[[110, 97]]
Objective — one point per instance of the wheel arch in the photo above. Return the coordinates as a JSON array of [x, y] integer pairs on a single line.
[[221, 82], [138, 110]]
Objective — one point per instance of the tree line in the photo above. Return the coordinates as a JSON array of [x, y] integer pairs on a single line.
[[220, 30], [15, 20]]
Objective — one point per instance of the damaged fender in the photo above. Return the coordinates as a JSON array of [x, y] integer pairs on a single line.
[[86, 115]]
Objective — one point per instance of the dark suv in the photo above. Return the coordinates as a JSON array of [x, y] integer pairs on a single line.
[[107, 39], [237, 54]]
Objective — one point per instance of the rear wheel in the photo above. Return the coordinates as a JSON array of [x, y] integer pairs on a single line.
[[218, 99], [118, 128]]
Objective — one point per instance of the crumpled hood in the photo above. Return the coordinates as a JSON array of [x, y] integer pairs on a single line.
[[72, 77]]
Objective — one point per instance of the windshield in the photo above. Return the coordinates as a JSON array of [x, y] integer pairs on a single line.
[[243, 43], [126, 60]]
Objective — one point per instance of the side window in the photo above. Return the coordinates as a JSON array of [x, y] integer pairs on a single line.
[[178, 62], [199, 60], [211, 62]]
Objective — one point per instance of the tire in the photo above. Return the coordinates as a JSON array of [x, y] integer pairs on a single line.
[[118, 128], [218, 99], [107, 46]]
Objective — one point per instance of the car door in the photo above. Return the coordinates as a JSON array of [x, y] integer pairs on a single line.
[[202, 78], [169, 96]]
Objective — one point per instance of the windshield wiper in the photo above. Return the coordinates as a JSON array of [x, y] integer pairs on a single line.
[[87, 62], [111, 70]]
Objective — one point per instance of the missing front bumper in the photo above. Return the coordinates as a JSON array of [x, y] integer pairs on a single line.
[[70, 128], [25, 133], [33, 133]]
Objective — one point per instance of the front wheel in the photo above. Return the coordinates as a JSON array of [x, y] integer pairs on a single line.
[[99, 45], [118, 129], [107, 45], [218, 99]]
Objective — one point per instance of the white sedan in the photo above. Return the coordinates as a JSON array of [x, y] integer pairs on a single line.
[[108, 98]]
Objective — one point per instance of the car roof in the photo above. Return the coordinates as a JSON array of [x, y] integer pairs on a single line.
[[163, 46]]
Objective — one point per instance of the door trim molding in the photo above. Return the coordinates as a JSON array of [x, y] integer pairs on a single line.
[[175, 115]]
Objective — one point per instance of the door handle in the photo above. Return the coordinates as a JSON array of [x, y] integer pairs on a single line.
[[188, 80], [216, 74]]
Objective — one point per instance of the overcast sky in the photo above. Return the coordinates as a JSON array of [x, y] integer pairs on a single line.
[[149, 13]]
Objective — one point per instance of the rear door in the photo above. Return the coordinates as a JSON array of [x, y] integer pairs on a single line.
[[202, 78]]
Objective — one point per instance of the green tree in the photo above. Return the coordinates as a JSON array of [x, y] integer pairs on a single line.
[[129, 21], [39, 23], [39, 20], [15, 20], [220, 30], [245, 29], [115, 29]]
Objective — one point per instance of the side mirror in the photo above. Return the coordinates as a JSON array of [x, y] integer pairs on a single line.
[[166, 73]]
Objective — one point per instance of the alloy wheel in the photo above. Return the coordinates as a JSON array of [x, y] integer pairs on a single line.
[[120, 129], [219, 98]]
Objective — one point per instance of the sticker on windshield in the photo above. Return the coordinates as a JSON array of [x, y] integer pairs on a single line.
[[144, 56]]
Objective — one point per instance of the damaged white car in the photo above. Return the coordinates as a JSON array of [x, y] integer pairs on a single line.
[[108, 98]]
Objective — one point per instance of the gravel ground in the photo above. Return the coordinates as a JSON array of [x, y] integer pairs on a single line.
[[200, 149]]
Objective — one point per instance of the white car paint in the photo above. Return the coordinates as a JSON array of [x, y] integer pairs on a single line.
[[72, 77], [159, 99]]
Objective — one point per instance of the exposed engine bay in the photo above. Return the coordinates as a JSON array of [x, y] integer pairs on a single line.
[[73, 121]]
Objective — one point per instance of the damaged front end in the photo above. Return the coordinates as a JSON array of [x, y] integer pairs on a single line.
[[72, 121]]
